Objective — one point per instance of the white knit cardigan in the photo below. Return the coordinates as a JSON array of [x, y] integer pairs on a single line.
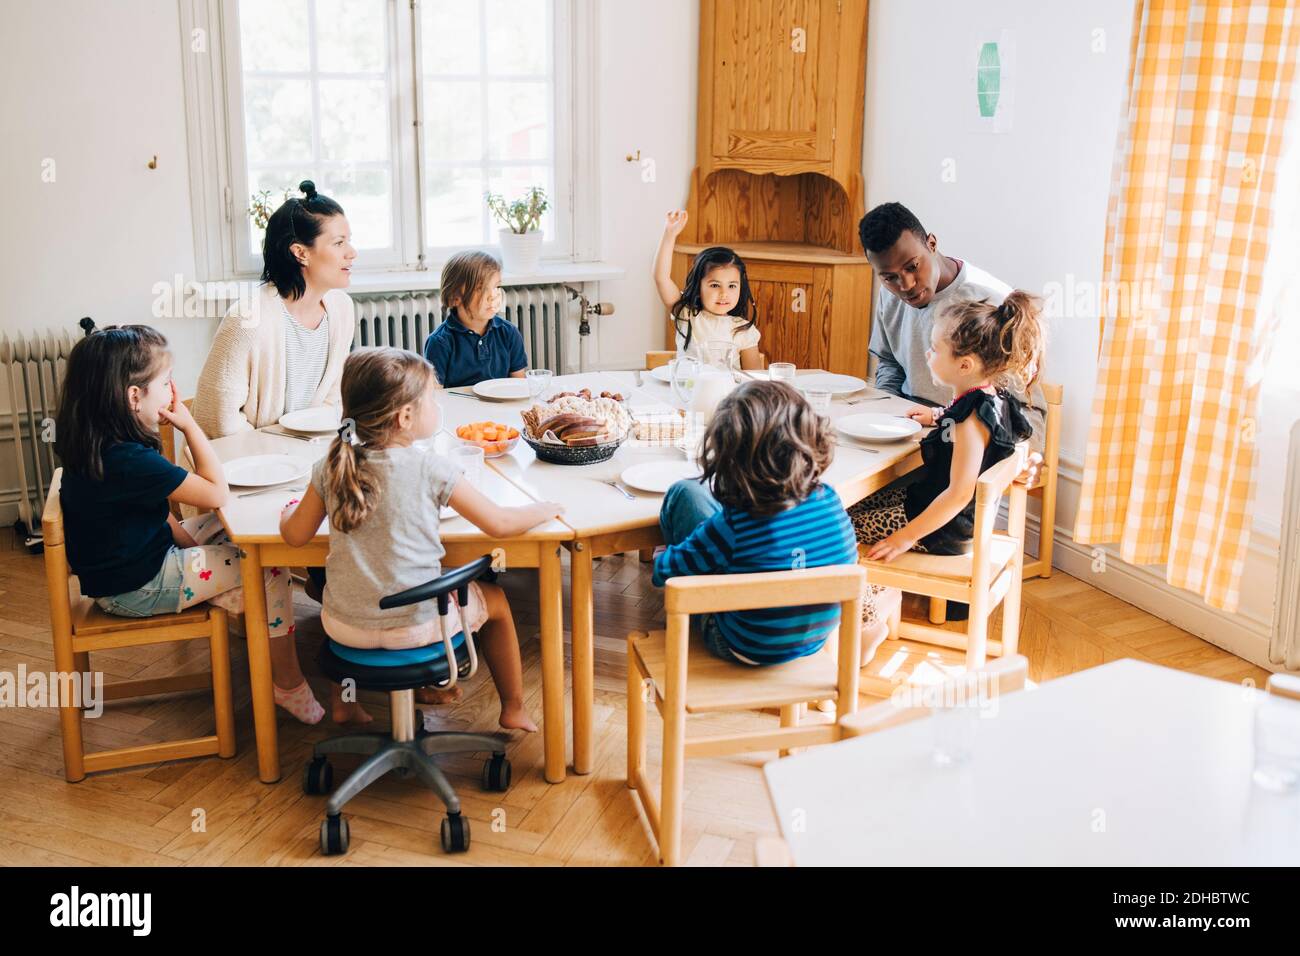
[[242, 383]]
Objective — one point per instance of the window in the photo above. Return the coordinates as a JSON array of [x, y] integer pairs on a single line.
[[487, 79], [405, 111], [317, 84]]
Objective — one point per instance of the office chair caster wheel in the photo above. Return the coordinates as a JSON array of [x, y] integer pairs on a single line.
[[455, 834], [333, 835], [318, 777], [496, 773]]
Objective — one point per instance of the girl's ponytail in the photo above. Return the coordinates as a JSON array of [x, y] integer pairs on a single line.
[[1021, 336], [1008, 339], [376, 384], [351, 484]]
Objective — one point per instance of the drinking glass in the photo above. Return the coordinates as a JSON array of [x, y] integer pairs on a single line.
[[1277, 743], [782, 372], [685, 370], [469, 458], [538, 380], [819, 399]]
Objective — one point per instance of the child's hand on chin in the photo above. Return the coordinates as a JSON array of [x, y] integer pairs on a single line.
[[889, 548]]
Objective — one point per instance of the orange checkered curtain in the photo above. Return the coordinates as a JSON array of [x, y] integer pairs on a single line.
[[1170, 459]]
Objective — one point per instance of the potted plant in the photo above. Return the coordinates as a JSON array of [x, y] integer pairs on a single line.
[[521, 239]]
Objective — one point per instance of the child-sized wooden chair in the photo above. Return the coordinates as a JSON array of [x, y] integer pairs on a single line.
[[1006, 674], [673, 669], [79, 627], [989, 575], [1044, 485], [655, 359], [1044, 488]]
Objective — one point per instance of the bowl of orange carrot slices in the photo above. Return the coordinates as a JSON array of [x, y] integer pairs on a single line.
[[495, 439]]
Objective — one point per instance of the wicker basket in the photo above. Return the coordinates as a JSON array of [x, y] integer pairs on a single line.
[[569, 455]]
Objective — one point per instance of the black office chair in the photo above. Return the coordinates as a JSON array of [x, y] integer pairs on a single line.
[[408, 747]]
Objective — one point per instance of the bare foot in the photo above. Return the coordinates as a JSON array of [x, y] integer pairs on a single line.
[[515, 717], [439, 695], [350, 713]]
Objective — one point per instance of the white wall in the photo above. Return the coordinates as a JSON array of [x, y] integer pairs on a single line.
[[95, 89], [1029, 205], [648, 90]]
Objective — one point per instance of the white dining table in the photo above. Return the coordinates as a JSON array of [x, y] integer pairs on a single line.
[[253, 523], [1125, 764], [605, 521], [598, 520]]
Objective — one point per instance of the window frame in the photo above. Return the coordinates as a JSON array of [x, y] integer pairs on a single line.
[[216, 150]]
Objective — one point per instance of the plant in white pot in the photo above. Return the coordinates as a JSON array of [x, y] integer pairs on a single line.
[[521, 239]]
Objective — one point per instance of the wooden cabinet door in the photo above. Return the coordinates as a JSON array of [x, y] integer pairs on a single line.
[[773, 79], [794, 316]]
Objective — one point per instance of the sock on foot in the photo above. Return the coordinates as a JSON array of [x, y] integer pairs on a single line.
[[300, 702]]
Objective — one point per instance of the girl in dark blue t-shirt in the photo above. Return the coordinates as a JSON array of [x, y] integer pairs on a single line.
[[977, 349], [129, 552]]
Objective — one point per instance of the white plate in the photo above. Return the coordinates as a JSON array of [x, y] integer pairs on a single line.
[[835, 384], [502, 389], [873, 426], [319, 419], [262, 471], [663, 373], [658, 476], [751, 375]]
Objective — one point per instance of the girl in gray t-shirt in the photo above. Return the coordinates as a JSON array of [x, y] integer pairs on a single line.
[[382, 491]]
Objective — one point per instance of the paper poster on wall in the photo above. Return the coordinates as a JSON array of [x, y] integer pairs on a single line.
[[991, 94]]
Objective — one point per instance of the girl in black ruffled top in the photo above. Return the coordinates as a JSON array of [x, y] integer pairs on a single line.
[[977, 349]]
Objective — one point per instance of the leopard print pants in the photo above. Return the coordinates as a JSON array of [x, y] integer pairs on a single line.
[[875, 518]]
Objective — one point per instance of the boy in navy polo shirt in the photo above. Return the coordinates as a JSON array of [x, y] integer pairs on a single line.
[[473, 343]]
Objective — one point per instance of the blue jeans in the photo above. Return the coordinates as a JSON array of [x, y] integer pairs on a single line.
[[688, 505], [161, 595]]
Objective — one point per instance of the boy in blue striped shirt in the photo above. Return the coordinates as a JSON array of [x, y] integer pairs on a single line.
[[763, 455]]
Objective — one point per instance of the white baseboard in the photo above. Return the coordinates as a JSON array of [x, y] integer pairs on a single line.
[[1237, 634]]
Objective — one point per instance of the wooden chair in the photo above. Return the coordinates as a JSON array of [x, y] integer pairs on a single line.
[[1044, 488], [79, 627], [990, 575], [1006, 674], [656, 359], [683, 678]]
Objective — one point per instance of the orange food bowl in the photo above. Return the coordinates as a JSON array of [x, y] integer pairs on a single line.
[[495, 439]]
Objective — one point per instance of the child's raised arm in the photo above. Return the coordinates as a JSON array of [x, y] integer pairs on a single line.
[[495, 521], [970, 437], [674, 223]]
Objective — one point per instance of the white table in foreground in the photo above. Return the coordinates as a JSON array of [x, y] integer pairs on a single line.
[[1126, 764]]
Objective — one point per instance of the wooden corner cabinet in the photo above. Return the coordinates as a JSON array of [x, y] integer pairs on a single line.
[[778, 174]]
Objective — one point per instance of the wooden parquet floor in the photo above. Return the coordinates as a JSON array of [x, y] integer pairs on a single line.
[[151, 815]]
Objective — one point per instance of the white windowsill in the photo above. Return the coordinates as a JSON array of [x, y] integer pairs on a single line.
[[427, 279], [547, 272]]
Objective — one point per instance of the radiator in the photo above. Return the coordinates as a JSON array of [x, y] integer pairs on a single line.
[[33, 367], [405, 319]]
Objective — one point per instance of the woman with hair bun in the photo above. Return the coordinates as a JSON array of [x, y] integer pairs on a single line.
[[284, 349]]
